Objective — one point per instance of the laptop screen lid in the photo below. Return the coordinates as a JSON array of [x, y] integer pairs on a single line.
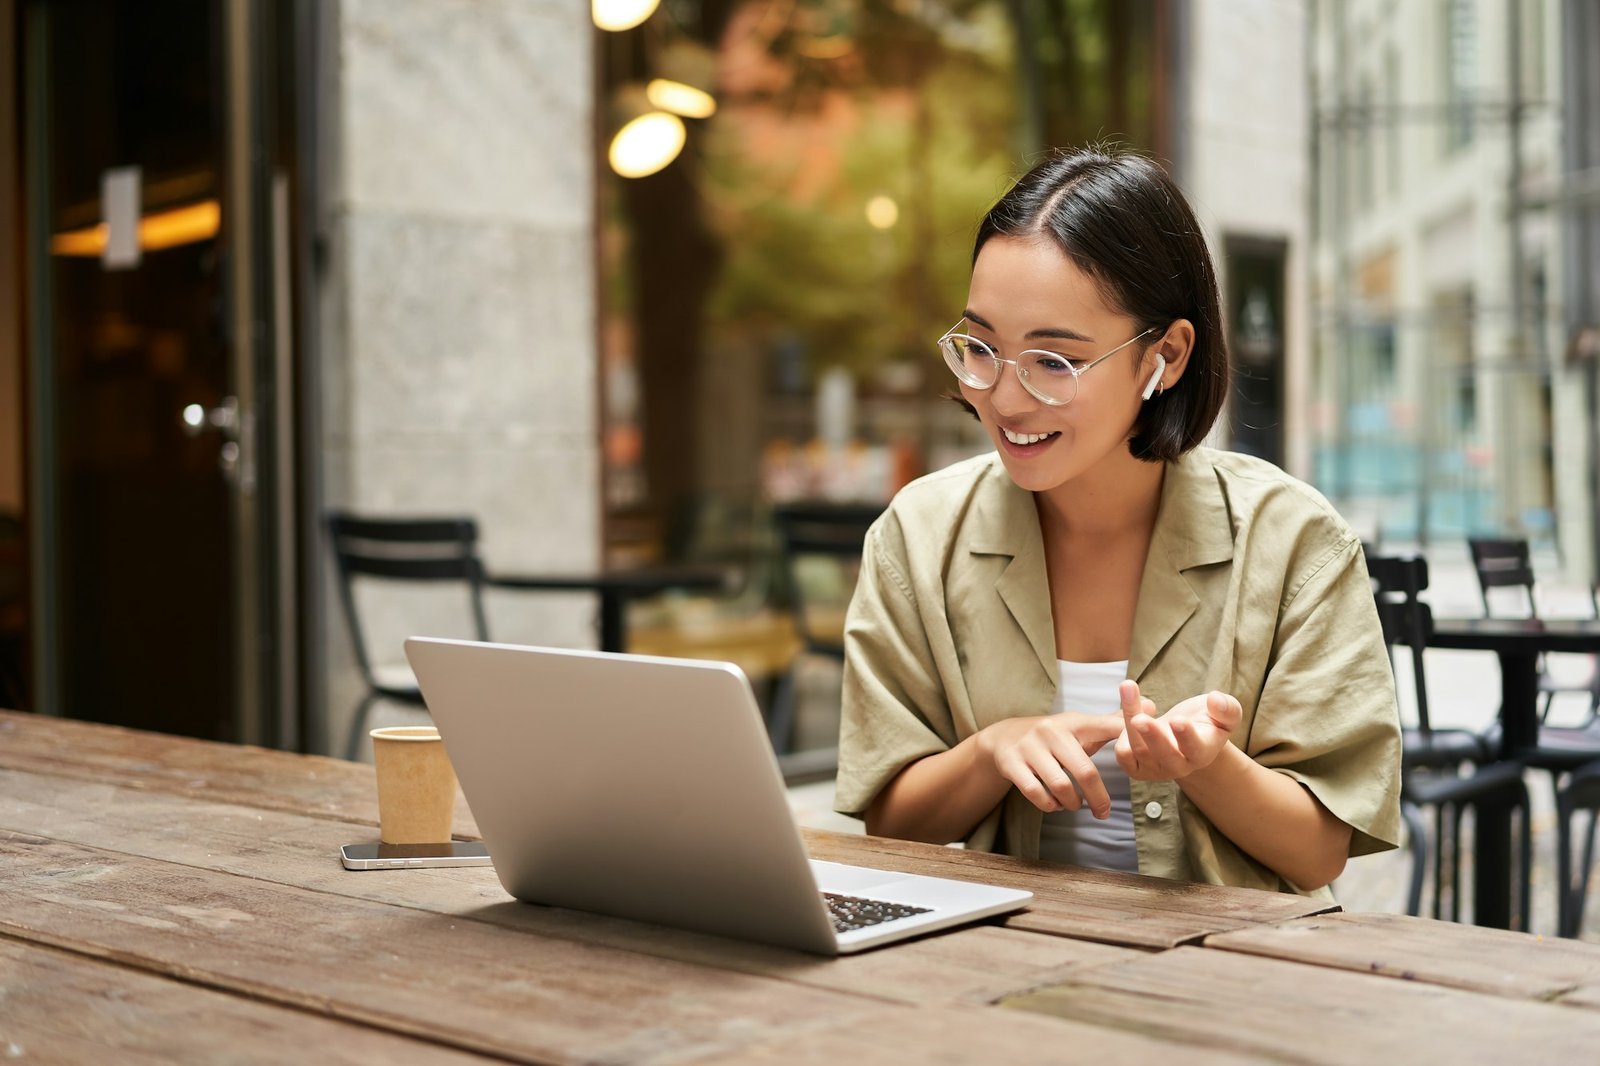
[[628, 785], [646, 788]]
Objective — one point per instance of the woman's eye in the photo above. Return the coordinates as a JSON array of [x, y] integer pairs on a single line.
[[1056, 364]]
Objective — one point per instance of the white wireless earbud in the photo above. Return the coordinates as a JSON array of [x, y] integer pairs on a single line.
[[1155, 379]]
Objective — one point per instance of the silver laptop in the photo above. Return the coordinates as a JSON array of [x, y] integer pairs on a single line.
[[646, 788]]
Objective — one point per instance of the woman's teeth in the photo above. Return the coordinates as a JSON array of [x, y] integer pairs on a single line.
[[1024, 438]]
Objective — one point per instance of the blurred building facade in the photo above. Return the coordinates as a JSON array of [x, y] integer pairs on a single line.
[[1445, 276]]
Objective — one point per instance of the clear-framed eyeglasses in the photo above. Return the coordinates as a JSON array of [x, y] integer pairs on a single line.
[[1049, 377]]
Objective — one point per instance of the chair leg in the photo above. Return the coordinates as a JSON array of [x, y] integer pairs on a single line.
[[780, 721], [1417, 845], [1456, 908], [1564, 886], [1580, 891], [358, 723], [1525, 879], [1441, 815]]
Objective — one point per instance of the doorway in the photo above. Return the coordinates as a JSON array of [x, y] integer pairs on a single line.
[[1255, 270], [156, 453]]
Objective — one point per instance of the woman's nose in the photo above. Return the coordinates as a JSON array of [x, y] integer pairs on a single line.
[[1008, 396]]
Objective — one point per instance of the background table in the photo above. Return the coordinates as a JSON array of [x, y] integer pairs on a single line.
[[617, 588], [174, 900], [1518, 643]]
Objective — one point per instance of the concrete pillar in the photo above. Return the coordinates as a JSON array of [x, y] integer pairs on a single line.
[[458, 356]]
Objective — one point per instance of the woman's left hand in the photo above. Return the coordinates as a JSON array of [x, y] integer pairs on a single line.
[[1167, 747]]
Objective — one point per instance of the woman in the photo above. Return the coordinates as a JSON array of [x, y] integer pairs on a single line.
[[1104, 644]]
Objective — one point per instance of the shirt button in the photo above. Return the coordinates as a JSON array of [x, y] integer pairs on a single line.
[[1152, 810]]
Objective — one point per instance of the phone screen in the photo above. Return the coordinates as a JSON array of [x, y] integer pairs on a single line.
[[376, 856]]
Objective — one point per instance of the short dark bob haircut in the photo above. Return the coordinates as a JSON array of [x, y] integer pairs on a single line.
[[1124, 222]]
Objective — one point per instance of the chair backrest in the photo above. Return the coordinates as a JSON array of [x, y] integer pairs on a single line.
[[1398, 581], [413, 550], [831, 531], [1503, 562]]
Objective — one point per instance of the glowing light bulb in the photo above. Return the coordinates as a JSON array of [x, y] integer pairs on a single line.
[[646, 144], [618, 15], [680, 99]]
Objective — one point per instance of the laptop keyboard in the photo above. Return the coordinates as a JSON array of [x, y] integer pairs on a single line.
[[853, 912]]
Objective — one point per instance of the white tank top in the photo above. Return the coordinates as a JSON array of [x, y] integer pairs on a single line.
[[1078, 837]]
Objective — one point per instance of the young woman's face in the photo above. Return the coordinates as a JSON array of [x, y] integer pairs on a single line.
[[1025, 294]]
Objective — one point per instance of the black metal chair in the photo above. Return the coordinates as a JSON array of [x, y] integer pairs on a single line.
[[831, 532], [1505, 562], [407, 550], [1580, 792], [1432, 760]]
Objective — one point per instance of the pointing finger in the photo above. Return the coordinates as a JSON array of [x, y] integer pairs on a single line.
[[1131, 703]]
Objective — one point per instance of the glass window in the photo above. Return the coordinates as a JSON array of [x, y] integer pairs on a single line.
[[1460, 40], [772, 294]]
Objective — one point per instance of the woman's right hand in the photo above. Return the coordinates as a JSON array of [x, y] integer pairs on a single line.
[[1044, 756]]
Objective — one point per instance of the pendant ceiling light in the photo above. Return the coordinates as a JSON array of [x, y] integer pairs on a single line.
[[618, 15]]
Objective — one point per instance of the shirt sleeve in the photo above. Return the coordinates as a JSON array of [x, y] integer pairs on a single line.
[[893, 710], [1327, 714]]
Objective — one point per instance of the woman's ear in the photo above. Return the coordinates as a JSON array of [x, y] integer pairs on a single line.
[[1172, 352]]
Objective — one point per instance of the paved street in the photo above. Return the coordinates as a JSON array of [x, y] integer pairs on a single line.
[[1463, 687]]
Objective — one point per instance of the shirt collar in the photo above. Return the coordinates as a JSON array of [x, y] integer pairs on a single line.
[[1193, 528]]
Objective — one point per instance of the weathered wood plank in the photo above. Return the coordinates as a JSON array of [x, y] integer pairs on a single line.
[[1494, 961], [980, 964], [63, 1007], [1104, 905], [1587, 997], [59, 1007], [1296, 1013], [183, 766], [966, 1035], [464, 984]]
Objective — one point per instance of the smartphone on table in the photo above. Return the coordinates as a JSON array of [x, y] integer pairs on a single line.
[[376, 856]]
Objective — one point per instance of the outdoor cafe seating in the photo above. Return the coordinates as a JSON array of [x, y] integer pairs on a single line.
[[1455, 771], [811, 534], [1506, 563], [441, 552], [816, 547], [1570, 754], [1433, 759]]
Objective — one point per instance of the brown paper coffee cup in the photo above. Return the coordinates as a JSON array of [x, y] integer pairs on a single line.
[[416, 785]]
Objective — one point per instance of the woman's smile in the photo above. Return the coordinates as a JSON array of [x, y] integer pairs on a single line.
[[1025, 445]]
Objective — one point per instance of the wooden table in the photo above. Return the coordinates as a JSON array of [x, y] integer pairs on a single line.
[[172, 900]]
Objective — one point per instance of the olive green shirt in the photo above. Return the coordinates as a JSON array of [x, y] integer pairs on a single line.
[[1253, 585]]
